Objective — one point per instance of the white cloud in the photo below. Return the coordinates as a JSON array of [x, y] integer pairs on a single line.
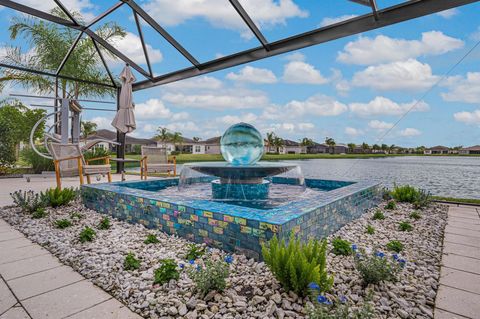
[[332, 20], [379, 125], [131, 46], [221, 14], [447, 14], [302, 72], [253, 75], [383, 49], [464, 89], [305, 126], [472, 118], [199, 82], [154, 109], [82, 6], [404, 75], [351, 131], [221, 100], [103, 122], [410, 132], [475, 36], [233, 119], [183, 127], [319, 105], [297, 56], [383, 106]]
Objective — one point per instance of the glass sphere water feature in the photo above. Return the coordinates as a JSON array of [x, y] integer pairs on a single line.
[[241, 144]]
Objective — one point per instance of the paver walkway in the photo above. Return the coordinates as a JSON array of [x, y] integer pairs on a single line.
[[459, 292], [34, 284]]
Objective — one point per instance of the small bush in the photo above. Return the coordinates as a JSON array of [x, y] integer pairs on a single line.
[[39, 213], [342, 247], [76, 215], [415, 215], [376, 268], [395, 246], [386, 194], [370, 230], [104, 223], [194, 252], [340, 309], [296, 265], [405, 226], [405, 193], [38, 163], [167, 271], [391, 205], [151, 239], [28, 201], [95, 153], [211, 277], [63, 223], [424, 199], [87, 234], [378, 215], [130, 262], [56, 197]]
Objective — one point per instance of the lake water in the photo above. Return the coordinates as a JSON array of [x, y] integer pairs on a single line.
[[453, 176]]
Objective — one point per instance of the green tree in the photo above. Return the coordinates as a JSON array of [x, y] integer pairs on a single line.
[[270, 139], [365, 147], [278, 143], [177, 139], [351, 147], [163, 135], [49, 44], [196, 139], [331, 144], [88, 128], [306, 142]]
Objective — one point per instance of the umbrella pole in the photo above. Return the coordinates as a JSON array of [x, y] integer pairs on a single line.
[[121, 140]]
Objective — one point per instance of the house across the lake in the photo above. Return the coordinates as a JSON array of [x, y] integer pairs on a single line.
[[439, 149], [292, 147], [470, 150], [132, 144]]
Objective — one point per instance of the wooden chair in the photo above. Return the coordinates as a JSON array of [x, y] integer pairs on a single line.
[[155, 160], [69, 161]]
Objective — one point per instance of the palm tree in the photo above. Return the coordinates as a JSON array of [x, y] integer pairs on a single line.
[[365, 147], [384, 148], [351, 147], [375, 147], [176, 138], [392, 148], [331, 143], [163, 135], [49, 44], [87, 128], [306, 142], [270, 140], [278, 142], [196, 139]]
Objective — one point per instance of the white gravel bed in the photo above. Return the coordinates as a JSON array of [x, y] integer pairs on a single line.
[[252, 291]]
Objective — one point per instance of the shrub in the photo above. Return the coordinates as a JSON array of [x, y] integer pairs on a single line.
[[405, 193], [424, 199], [104, 223], [151, 239], [370, 230], [395, 246], [94, 153], [56, 197], [386, 194], [76, 215], [194, 252], [339, 309], [296, 265], [87, 234], [63, 223], [38, 163], [376, 268], [415, 215], [405, 226], [211, 277], [391, 205], [378, 215], [39, 213], [28, 201], [130, 262], [167, 271], [342, 247]]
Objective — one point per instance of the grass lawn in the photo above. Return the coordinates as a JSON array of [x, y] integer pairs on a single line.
[[457, 200]]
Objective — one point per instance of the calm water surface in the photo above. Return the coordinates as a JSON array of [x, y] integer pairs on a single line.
[[444, 176]]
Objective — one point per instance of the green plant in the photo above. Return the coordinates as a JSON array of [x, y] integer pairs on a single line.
[[151, 239], [391, 205], [38, 163], [340, 309], [211, 277], [28, 201], [56, 197], [63, 223], [341, 247], [405, 193], [194, 252], [376, 267], [39, 213], [296, 265], [370, 230], [405, 226], [167, 271], [395, 246], [87, 234], [130, 262], [378, 215], [423, 200], [415, 215], [104, 223], [96, 153], [76, 215]]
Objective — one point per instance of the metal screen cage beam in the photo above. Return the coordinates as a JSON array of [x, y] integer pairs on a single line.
[[376, 19]]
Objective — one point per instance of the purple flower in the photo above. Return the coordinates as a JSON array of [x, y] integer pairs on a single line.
[[395, 257], [181, 266], [343, 299], [402, 262], [313, 285], [358, 255], [191, 261], [323, 300], [354, 247], [229, 259], [379, 254]]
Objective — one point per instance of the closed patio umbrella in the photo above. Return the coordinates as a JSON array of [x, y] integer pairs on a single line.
[[124, 120]]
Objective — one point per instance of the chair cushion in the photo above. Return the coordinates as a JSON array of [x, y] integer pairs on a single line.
[[96, 169], [160, 167]]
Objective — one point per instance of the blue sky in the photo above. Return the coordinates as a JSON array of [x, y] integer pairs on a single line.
[[353, 89]]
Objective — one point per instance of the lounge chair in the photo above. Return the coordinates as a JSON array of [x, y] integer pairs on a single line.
[[69, 161], [155, 160]]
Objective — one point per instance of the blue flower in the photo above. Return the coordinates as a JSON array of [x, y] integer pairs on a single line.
[[379, 254], [354, 247], [343, 299], [395, 257], [313, 285], [323, 299], [199, 268], [402, 262], [229, 259], [181, 266], [358, 255], [191, 261]]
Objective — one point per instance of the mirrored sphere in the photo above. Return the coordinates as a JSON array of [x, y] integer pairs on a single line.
[[241, 144]]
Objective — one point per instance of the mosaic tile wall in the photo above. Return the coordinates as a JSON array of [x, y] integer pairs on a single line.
[[229, 227]]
